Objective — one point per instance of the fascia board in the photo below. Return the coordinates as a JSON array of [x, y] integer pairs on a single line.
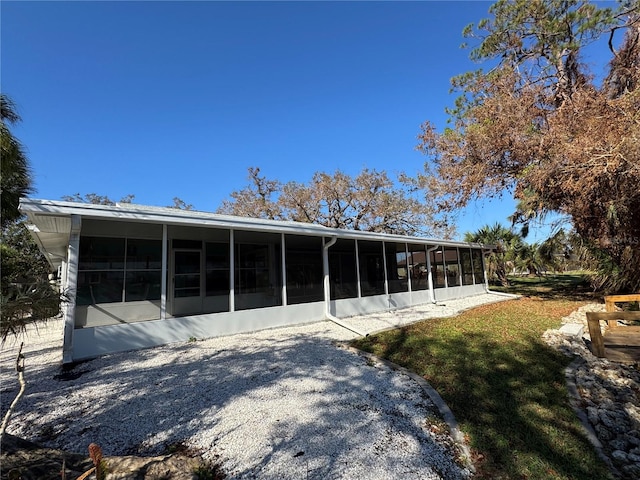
[[169, 216]]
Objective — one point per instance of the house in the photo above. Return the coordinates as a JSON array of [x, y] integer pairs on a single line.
[[139, 276]]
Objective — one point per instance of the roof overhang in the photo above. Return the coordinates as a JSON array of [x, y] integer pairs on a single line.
[[50, 222]]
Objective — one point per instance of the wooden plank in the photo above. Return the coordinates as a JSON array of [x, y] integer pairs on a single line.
[[626, 338], [623, 344], [633, 297], [597, 342], [611, 300], [627, 316]]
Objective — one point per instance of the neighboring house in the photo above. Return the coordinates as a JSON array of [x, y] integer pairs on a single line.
[[139, 276]]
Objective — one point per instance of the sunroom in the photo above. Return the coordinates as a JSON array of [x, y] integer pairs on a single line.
[[138, 276]]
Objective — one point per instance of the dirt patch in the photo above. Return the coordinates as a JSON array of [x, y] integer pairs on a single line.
[[24, 460]]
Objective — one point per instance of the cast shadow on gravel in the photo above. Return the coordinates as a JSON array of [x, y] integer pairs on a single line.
[[133, 403]]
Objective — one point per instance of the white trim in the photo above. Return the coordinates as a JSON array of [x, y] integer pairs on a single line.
[[71, 287], [384, 266], [34, 208], [430, 273], [283, 266], [165, 272], [358, 286], [232, 272]]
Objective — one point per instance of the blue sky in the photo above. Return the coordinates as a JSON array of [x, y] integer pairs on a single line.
[[166, 99]]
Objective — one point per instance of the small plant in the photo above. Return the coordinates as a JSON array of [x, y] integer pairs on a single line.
[[100, 466], [192, 339]]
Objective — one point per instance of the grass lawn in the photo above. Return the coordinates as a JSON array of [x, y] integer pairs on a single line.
[[505, 386], [564, 286]]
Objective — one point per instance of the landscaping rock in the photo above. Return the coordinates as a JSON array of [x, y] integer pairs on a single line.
[[608, 395]]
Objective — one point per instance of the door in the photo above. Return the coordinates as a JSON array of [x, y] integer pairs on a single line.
[[187, 282]]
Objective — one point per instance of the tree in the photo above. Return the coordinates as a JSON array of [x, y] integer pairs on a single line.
[[180, 204], [27, 296], [258, 199], [538, 125], [500, 259], [15, 177], [564, 251], [96, 199], [370, 201], [527, 258]]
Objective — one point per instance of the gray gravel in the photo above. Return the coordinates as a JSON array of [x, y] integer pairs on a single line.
[[286, 403]]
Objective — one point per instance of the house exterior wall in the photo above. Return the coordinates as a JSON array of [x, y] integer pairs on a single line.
[[95, 341], [107, 327], [142, 276]]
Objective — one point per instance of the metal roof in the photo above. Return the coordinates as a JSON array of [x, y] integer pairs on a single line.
[[50, 223]]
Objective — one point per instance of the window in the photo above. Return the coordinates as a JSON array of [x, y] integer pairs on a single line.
[[396, 257], [417, 262], [371, 268], [217, 269], [451, 266], [478, 270], [258, 270], [143, 270], [303, 256], [436, 257], [186, 275], [342, 269], [466, 265], [112, 270]]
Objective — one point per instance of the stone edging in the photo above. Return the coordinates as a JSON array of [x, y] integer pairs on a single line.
[[574, 401]]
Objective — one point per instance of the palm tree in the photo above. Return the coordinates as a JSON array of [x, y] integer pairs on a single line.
[[26, 296], [527, 257], [15, 175], [504, 255]]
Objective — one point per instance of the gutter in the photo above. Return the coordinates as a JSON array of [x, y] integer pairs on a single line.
[[430, 274], [502, 294], [486, 284], [327, 290]]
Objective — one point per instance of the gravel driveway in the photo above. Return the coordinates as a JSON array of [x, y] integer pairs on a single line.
[[286, 403]]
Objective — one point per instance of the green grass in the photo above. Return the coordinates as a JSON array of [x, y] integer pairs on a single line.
[[505, 386], [563, 286]]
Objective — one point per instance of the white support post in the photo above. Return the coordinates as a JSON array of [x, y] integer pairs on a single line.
[[70, 288], [359, 288], [409, 272], [163, 281], [232, 273], [384, 267], [284, 269], [484, 269], [430, 273]]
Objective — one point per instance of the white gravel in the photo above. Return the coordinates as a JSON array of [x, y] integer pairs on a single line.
[[286, 403]]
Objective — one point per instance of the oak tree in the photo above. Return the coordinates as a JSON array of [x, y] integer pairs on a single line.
[[369, 201]]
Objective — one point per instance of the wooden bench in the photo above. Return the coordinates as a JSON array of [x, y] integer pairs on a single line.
[[610, 304], [624, 343], [619, 339]]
